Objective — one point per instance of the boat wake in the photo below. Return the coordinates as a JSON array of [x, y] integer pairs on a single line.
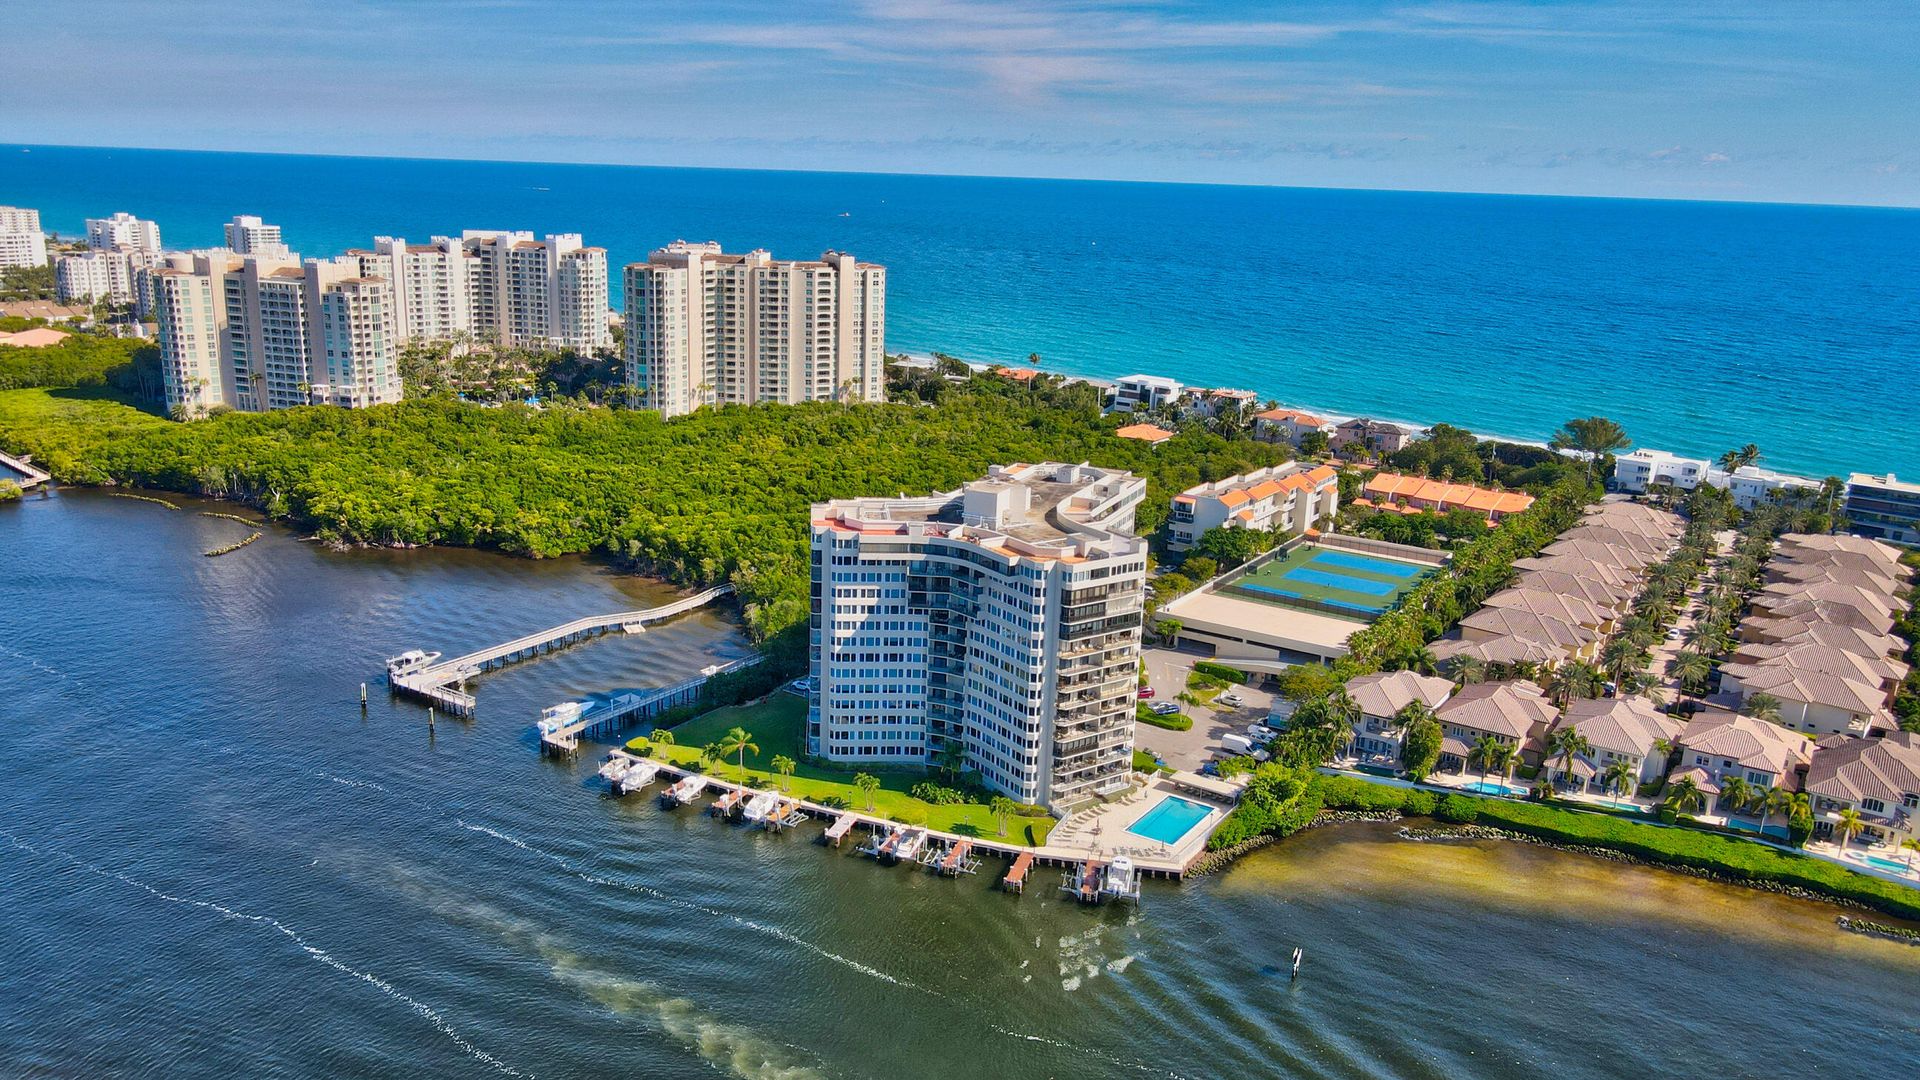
[[313, 951], [688, 905], [728, 1047]]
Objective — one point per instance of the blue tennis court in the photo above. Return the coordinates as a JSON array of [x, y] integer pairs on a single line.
[[1392, 569], [1345, 583], [1341, 581]]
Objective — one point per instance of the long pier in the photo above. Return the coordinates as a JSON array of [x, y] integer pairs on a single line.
[[31, 476], [604, 717], [442, 685]]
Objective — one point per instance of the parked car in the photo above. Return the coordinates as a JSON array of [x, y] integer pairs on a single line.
[[1676, 634], [1236, 744], [1146, 692], [1261, 733], [1165, 708], [1231, 700]]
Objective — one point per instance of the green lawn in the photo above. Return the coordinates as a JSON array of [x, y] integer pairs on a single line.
[[776, 725]]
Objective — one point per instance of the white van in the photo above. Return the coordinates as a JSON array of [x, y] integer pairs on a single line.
[[1237, 744]]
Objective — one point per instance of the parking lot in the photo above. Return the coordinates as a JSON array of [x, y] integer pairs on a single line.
[[1167, 674]]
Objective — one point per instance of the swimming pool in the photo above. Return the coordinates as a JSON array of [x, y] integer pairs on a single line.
[[1169, 820], [1492, 787], [1884, 864], [1742, 826]]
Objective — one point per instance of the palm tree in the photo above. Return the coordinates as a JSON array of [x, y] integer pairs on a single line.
[[1684, 796], [1486, 751], [1466, 670], [1747, 454], [783, 765], [660, 736], [711, 753], [1848, 826], [1762, 706], [867, 783], [1594, 436], [951, 756], [1575, 678], [1771, 801], [1002, 808], [1735, 794], [1565, 744], [1416, 658], [1910, 845], [1692, 668], [1622, 657], [739, 740], [1619, 777]]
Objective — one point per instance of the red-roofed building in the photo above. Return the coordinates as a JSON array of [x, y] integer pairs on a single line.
[[1419, 493], [1290, 498], [1287, 426], [1146, 433]]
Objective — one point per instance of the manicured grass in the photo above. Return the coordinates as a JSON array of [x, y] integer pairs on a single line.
[[776, 724]]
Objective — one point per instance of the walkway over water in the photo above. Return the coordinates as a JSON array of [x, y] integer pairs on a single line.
[[27, 475], [443, 684]]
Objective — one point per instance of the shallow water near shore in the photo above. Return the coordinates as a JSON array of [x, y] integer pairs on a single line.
[[214, 865]]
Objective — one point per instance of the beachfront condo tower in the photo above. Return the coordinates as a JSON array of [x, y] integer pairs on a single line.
[[248, 235], [997, 625], [708, 328], [538, 294], [21, 241], [123, 232], [270, 332]]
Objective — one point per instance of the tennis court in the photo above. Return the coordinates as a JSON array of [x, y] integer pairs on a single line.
[[1337, 582]]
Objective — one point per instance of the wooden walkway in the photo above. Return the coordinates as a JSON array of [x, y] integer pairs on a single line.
[[443, 684], [605, 717], [30, 476]]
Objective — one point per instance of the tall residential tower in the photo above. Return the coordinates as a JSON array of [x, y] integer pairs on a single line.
[[1000, 621], [708, 328]]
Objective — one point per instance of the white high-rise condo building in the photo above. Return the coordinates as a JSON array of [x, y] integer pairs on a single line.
[[1000, 621], [432, 287], [270, 332], [92, 276], [21, 241], [188, 310], [708, 328], [123, 232], [548, 293], [248, 235]]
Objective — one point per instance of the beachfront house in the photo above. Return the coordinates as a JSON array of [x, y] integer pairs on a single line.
[[1515, 713], [1290, 498], [1287, 426], [1371, 436], [1717, 744], [1625, 729], [1378, 734], [1145, 392], [1879, 778]]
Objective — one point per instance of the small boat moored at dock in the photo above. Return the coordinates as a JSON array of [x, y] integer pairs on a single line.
[[760, 807], [411, 661], [636, 777], [684, 792]]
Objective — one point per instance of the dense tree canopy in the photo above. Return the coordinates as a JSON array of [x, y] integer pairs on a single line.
[[719, 495]]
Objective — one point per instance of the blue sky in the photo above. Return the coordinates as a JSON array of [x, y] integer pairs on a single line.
[[1799, 101]]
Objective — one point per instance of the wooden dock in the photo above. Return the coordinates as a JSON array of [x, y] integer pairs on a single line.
[[443, 685], [605, 718], [29, 476]]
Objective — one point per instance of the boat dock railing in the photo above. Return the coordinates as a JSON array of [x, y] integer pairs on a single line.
[[443, 684], [30, 475], [604, 717]]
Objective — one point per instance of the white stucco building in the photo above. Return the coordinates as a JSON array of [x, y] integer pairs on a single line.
[[1289, 498], [1001, 620], [548, 293], [22, 244], [123, 232], [1637, 471], [708, 328]]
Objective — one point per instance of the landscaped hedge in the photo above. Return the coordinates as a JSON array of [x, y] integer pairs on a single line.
[[1222, 671], [1742, 860], [1725, 856]]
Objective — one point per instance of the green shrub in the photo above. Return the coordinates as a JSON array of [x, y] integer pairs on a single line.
[[1461, 809], [1222, 671], [835, 802], [1347, 793], [1144, 762], [929, 792], [1172, 721]]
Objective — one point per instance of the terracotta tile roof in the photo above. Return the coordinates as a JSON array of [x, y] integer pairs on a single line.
[[1849, 770], [1145, 433], [1749, 743], [1627, 725], [1517, 710], [1304, 419], [1384, 694]]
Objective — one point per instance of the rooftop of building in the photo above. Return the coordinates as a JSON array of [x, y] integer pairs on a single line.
[[1262, 483], [1048, 510], [1145, 433]]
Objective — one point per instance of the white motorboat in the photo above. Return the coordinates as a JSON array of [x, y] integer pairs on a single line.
[[637, 776], [411, 661], [759, 807]]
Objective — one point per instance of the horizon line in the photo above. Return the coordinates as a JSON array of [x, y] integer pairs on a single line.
[[28, 147]]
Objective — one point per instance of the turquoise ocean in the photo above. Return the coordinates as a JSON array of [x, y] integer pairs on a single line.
[[1698, 326]]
